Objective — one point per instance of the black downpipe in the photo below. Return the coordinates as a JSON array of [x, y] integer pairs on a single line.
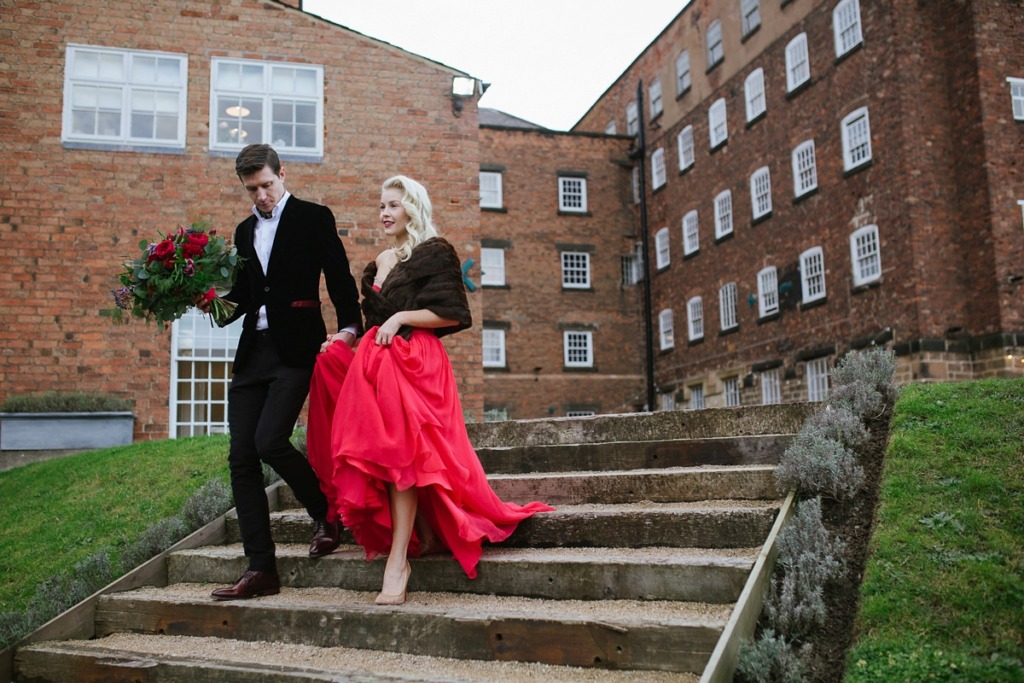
[[640, 153]]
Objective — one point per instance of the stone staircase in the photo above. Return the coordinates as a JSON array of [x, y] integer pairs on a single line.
[[660, 518]]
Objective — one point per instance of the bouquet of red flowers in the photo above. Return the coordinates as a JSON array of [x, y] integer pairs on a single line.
[[172, 275]]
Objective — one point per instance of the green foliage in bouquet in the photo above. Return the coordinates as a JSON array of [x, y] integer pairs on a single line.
[[173, 274]]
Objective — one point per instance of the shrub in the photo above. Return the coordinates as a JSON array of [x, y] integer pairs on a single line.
[[209, 502], [817, 463], [770, 659], [57, 402], [876, 367]]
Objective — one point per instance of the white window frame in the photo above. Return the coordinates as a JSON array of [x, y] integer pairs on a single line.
[[718, 123], [665, 329], [856, 129], [662, 248], [715, 50], [767, 291], [771, 387], [492, 267], [572, 194], [684, 142], [805, 169], [493, 347], [732, 390], [695, 318], [1017, 97], [580, 413], [846, 26], [654, 93], [683, 81], [490, 190], [610, 128], [812, 275], [658, 168], [575, 269], [117, 89], [208, 352], [761, 192], [574, 342], [727, 306], [750, 13], [697, 397], [496, 415], [632, 118], [630, 270], [865, 255], [691, 233], [269, 89], [636, 184], [667, 401], [816, 374], [753, 90], [723, 214], [798, 63]]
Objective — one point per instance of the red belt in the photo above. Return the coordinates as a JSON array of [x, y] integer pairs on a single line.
[[306, 303]]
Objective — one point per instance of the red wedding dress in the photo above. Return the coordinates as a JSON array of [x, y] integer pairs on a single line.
[[398, 419]]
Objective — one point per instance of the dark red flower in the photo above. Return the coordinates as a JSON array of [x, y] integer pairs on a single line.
[[164, 251]]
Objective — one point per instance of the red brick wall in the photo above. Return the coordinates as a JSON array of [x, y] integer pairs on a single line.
[[69, 216]]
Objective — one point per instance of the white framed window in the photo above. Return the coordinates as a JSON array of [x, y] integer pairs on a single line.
[[682, 72], [201, 360], [798, 63], [580, 413], [691, 234], [578, 349], [753, 89], [610, 128], [632, 119], [630, 270], [812, 274], [771, 387], [636, 184], [575, 270], [727, 306], [684, 141], [865, 255], [805, 169], [723, 214], [697, 397], [695, 318], [492, 267], [277, 103], [490, 190], [661, 247], [856, 139], [495, 414], [767, 291], [493, 348], [718, 126], [761, 192], [751, 11], [667, 401], [846, 26], [732, 391], [1017, 97], [716, 52], [572, 194], [658, 168], [654, 93], [133, 98], [665, 332], [817, 379]]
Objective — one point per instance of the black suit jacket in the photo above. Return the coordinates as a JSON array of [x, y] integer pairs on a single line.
[[306, 244]]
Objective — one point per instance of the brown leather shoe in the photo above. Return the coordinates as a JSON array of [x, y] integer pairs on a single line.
[[251, 585], [326, 538]]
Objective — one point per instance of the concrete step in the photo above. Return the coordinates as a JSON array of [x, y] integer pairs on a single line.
[[700, 524], [687, 574], [184, 659], [675, 484], [642, 635]]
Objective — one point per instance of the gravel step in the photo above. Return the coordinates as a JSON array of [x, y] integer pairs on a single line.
[[713, 576], [644, 635], [186, 659]]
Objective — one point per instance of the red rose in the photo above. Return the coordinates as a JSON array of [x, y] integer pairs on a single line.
[[198, 238], [164, 251]]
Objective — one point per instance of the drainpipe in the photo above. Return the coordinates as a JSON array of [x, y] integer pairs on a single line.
[[640, 154]]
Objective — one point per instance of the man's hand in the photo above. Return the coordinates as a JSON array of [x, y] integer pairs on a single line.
[[346, 337]]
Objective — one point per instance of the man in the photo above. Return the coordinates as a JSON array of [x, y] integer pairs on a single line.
[[287, 244]]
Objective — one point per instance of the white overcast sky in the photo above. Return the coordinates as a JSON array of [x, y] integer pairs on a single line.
[[547, 60]]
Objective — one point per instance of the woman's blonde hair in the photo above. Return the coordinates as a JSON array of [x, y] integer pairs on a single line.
[[418, 208]]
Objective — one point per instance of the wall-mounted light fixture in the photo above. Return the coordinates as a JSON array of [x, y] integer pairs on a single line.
[[236, 111], [463, 88]]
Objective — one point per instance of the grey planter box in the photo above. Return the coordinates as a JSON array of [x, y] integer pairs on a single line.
[[65, 431]]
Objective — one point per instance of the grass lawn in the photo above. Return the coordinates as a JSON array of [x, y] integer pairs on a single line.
[[943, 593], [58, 512]]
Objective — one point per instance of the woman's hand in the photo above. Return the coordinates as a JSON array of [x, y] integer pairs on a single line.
[[386, 332], [344, 337]]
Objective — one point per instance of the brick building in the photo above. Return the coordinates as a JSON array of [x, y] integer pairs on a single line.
[[823, 176], [121, 120]]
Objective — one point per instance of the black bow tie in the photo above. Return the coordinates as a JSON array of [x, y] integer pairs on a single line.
[[265, 216]]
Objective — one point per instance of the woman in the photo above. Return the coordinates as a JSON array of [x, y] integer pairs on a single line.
[[406, 478]]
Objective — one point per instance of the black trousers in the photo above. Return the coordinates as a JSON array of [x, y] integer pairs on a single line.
[[264, 402]]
